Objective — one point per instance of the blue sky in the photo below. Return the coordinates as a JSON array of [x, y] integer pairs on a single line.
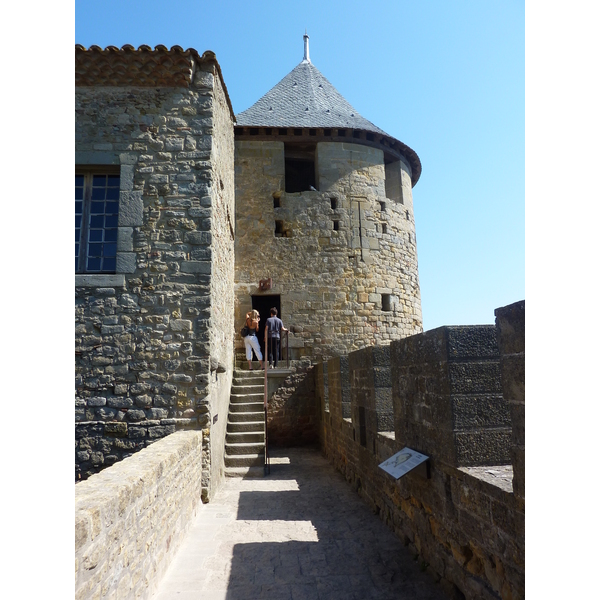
[[445, 78]]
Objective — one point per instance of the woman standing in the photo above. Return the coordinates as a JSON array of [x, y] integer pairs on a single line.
[[251, 340]]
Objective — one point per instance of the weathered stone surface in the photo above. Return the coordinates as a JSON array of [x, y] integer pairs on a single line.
[[144, 335], [116, 519], [465, 523], [326, 264]]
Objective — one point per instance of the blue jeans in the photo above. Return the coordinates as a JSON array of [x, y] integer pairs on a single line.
[[274, 350]]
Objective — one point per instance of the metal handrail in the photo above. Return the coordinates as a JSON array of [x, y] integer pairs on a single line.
[[267, 466]]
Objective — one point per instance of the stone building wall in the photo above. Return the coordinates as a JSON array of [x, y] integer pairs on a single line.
[[464, 521], [153, 341], [343, 259]]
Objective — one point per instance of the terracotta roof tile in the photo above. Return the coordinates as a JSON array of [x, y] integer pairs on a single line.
[[144, 67]]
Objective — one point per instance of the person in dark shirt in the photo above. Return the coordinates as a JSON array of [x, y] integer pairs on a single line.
[[274, 328]]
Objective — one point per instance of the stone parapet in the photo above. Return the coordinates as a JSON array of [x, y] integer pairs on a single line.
[[463, 522], [510, 325], [448, 396], [130, 519]]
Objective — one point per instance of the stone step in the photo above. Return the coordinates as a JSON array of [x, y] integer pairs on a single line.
[[246, 417], [245, 471], [255, 372], [248, 381], [249, 460], [247, 426], [238, 407], [245, 398], [244, 449], [245, 437], [247, 389]]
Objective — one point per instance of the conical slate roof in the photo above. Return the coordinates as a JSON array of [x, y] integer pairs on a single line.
[[304, 98]]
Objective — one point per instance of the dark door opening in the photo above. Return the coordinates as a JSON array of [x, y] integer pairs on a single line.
[[264, 304]]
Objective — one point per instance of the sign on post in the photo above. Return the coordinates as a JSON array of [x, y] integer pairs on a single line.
[[402, 462]]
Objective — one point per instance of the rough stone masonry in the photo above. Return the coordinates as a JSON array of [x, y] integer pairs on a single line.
[[154, 340]]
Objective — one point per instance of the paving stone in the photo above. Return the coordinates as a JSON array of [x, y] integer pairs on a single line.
[[304, 535]]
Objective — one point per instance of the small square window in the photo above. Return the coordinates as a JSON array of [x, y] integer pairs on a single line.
[[386, 302], [96, 221]]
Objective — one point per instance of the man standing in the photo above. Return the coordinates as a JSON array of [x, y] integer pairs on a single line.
[[274, 327]]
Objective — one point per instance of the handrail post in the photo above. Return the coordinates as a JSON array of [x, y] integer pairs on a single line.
[[267, 466], [287, 349]]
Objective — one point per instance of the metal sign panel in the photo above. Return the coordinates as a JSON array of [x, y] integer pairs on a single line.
[[402, 462]]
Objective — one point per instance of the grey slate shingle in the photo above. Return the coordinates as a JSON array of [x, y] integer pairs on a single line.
[[304, 98]]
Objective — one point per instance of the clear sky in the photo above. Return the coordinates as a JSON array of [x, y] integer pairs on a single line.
[[446, 78]]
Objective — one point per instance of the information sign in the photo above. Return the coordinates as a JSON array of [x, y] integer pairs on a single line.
[[402, 462]]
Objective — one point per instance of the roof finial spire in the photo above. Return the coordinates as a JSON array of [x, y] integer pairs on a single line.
[[306, 54]]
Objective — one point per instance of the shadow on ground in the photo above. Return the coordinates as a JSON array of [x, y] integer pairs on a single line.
[[328, 543]]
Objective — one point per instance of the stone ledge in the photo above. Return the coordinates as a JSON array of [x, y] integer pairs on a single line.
[[106, 281]]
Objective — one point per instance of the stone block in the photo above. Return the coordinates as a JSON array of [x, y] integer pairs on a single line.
[[131, 209], [180, 325], [199, 238], [126, 182], [116, 429], [472, 342], [510, 323], [478, 448], [125, 239], [480, 411], [126, 262], [475, 377], [196, 266]]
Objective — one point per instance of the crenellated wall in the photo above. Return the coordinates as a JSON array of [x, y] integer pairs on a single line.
[[154, 341], [464, 522]]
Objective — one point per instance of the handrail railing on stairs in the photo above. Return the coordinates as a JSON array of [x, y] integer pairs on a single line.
[[267, 466]]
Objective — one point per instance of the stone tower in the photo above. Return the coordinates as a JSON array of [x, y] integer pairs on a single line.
[[325, 227]]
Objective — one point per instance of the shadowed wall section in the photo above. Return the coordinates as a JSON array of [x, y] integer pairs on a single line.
[[452, 393]]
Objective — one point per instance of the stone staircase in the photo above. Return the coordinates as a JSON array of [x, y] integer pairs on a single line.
[[245, 437]]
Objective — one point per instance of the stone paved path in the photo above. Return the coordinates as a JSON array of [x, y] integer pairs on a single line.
[[300, 533]]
